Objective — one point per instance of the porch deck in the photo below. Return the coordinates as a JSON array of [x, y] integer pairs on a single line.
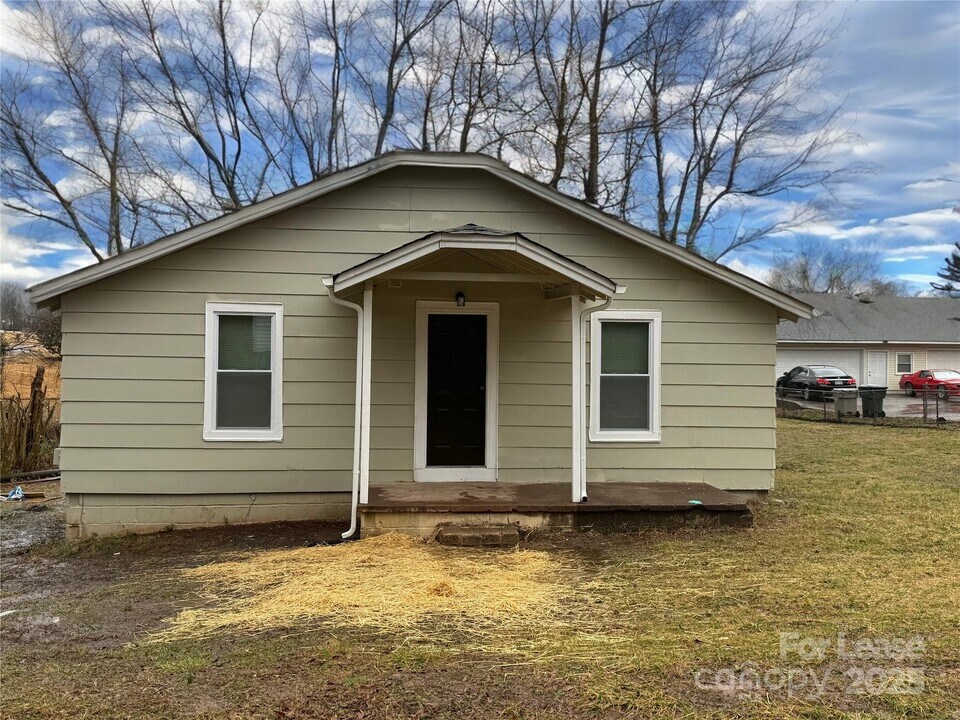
[[423, 507]]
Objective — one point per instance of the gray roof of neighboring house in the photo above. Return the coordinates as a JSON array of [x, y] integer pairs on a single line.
[[838, 318]]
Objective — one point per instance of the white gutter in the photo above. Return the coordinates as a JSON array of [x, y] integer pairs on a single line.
[[355, 492], [581, 409]]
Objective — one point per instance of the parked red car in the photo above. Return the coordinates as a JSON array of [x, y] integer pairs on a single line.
[[944, 382]]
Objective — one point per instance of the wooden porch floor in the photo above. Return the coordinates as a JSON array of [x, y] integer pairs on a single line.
[[494, 497]]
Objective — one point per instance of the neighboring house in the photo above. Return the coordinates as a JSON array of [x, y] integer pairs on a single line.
[[212, 376], [875, 339]]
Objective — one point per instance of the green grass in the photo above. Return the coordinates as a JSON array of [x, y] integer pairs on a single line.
[[860, 537]]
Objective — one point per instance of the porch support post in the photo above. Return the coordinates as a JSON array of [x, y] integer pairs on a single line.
[[365, 402], [576, 331]]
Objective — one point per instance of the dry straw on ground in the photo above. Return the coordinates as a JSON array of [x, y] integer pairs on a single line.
[[388, 583]]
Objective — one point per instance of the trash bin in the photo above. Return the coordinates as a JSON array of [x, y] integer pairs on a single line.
[[845, 401], [872, 399]]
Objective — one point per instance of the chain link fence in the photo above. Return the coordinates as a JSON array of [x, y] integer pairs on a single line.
[[925, 409]]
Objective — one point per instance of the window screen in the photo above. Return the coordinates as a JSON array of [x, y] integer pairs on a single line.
[[244, 375], [904, 363], [624, 375]]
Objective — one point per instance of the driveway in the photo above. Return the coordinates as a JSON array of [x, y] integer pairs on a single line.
[[895, 404]]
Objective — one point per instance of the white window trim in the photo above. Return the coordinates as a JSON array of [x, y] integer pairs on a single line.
[[421, 472], [653, 435], [896, 363], [210, 432]]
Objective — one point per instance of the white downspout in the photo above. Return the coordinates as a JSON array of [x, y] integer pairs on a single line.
[[355, 493], [576, 381], [582, 405], [365, 377]]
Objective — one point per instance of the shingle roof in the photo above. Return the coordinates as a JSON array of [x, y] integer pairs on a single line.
[[884, 318], [48, 293], [471, 229]]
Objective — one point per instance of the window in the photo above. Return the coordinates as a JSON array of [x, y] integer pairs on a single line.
[[243, 372], [625, 376], [904, 363]]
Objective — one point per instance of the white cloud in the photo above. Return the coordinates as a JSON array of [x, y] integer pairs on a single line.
[[14, 41], [945, 248], [931, 184], [20, 257], [919, 278], [757, 272], [933, 225], [905, 258]]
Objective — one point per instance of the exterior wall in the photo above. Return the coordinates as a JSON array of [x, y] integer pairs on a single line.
[[133, 358], [112, 513], [534, 417], [893, 377]]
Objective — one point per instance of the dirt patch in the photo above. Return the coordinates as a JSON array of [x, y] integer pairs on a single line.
[[17, 373], [26, 523], [120, 587], [852, 541]]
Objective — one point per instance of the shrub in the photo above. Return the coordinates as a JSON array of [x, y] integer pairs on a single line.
[[29, 431]]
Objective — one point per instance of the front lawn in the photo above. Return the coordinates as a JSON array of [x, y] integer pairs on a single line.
[[857, 545]]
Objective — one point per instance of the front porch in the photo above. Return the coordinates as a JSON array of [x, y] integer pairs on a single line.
[[423, 508], [471, 394]]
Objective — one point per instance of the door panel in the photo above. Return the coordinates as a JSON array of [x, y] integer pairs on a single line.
[[876, 368], [943, 359], [456, 389]]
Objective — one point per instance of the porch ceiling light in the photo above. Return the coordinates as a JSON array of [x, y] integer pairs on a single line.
[[461, 299]]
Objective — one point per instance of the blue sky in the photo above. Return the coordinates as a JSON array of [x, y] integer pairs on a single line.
[[896, 64]]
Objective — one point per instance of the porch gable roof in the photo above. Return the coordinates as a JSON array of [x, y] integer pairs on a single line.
[[533, 258]]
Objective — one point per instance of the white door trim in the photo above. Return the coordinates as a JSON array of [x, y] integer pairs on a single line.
[[421, 472]]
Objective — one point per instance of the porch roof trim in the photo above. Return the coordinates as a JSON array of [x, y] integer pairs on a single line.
[[474, 238]]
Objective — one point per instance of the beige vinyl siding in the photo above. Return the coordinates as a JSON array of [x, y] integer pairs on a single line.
[[133, 353]]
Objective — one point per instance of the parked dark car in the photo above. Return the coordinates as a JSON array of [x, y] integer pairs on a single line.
[[813, 381]]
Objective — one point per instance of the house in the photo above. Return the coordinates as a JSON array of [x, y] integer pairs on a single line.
[[421, 322], [875, 339]]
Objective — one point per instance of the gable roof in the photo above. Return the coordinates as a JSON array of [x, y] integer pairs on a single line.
[[529, 258], [838, 318], [48, 292]]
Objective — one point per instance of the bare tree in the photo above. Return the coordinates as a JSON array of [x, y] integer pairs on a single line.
[[819, 266], [33, 326], [15, 306], [431, 85], [311, 93], [548, 98], [611, 43], [683, 116], [85, 138], [950, 273], [195, 72], [479, 77], [391, 57], [727, 124]]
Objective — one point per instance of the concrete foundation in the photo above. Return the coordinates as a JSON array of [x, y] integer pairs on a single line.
[[100, 514]]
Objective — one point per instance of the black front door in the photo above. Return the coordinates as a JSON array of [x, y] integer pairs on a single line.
[[456, 389]]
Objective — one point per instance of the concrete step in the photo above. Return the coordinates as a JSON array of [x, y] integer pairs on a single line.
[[478, 535]]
